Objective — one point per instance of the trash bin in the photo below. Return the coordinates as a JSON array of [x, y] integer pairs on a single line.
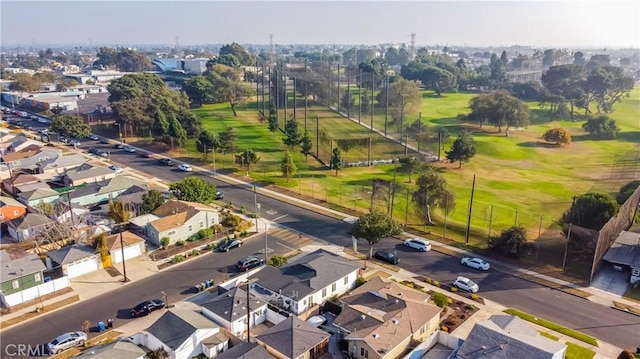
[[109, 323], [101, 326]]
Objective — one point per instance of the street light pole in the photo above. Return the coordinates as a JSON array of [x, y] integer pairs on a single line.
[[119, 131]]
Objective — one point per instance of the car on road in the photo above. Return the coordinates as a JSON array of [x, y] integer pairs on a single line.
[[166, 161], [146, 307], [466, 284], [419, 244], [104, 141], [72, 142], [146, 155], [476, 263], [387, 256], [94, 137], [130, 149], [116, 168], [219, 195], [249, 262], [119, 145], [102, 153], [185, 168], [92, 150], [229, 245], [66, 341]]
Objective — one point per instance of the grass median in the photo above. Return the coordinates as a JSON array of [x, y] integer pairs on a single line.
[[553, 326]]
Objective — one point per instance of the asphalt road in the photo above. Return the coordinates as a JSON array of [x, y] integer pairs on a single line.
[[613, 326]]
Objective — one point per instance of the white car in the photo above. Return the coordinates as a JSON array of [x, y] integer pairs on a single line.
[[116, 168], [476, 263], [419, 244], [66, 341], [466, 284], [130, 149], [185, 168], [94, 137]]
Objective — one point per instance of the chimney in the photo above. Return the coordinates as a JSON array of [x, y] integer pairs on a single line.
[[363, 317]]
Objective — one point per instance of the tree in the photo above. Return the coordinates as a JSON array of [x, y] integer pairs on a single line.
[[374, 226], [291, 132], [511, 242], [273, 120], [176, 131], [70, 126], [566, 82], [432, 192], [277, 261], [23, 82], [239, 52], [462, 150], [498, 69], [151, 200], [626, 354], [287, 166], [164, 242], [336, 160], [305, 145], [626, 191], [578, 59], [602, 127], [118, 212], [498, 109], [504, 58], [233, 92], [228, 139], [207, 142], [247, 158], [410, 165], [45, 208], [404, 96], [194, 189], [199, 89], [591, 210], [559, 136]]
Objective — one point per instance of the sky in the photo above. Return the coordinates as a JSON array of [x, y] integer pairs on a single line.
[[568, 23]]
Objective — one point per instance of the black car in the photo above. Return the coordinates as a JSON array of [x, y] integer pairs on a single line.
[[387, 256], [104, 141], [219, 195], [146, 307], [119, 145], [249, 262], [166, 161], [229, 245]]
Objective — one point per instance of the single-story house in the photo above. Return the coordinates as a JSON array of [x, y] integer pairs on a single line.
[[384, 319], [91, 193], [229, 310], [133, 246], [39, 195], [507, 336], [310, 280], [294, 338], [139, 223], [133, 198], [182, 334], [87, 174], [61, 164], [180, 220], [28, 226], [76, 260], [17, 275], [246, 350], [65, 212], [10, 183], [120, 349], [11, 209]]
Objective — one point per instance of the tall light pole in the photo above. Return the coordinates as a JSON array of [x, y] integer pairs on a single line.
[[214, 163], [119, 131], [266, 238]]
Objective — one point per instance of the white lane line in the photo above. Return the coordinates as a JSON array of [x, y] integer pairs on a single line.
[[277, 218]]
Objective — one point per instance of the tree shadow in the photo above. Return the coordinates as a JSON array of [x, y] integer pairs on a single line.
[[630, 136], [539, 144]]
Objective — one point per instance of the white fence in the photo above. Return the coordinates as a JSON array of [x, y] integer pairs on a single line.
[[274, 317], [438, 337], [37, 291]]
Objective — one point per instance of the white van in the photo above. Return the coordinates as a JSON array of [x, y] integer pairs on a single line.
[[419, 244]]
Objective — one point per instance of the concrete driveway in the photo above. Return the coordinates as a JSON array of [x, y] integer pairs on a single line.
[[610, 280]]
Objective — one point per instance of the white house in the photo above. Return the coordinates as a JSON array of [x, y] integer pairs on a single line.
[[229, 310], [180, 220], [132, 243], [76, 260], [310, 280]]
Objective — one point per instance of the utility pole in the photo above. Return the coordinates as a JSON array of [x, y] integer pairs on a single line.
[[473, 187]]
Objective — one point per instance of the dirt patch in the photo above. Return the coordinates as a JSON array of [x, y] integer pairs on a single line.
[[455, 314], [7, 323]]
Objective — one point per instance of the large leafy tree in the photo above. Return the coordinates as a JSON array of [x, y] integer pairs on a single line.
[[403, 94], [118, 212], [462, 149], [566, 83], [239, 52], [70, 126], [194, 189], [511, 242], [207, 142], [199, 89], [432, 192], [626, 191], [337, 161], [591, 210], [411, 165], [499, 109], [287, 166], [124, 59], [374, 226], [151, 200], [228, 139], [23, 82], [605, 85], [602, 127], [436, 78], [231, 91]]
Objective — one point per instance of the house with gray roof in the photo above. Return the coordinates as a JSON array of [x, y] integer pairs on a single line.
[[121, 349], [61, 164], [36, 163], [294, 338], [75, 260], [229, 310], [42, 194], [182, 332], [28, 226], [246, 350], [507, 337], [307, 281], [87, 174], [91, 193], [18, 275]]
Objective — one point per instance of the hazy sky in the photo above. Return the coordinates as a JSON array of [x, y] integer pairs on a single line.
[[474, 23]]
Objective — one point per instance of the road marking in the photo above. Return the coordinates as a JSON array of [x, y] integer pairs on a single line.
[[277, 218], [271, 212], [286, 246]]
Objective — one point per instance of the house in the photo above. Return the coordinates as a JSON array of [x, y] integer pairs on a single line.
[[182, 333], [506, 337], [28, 226], [42, 194], [10, 183], [89, 194], [625, 253], [18, 275], [132, 243], [133, 198], [11, 209], [67, 213], [139, 223], [384, 319], [19, 144], [76, 260], [180, 220], [36, 163], [310, 280], [294, 338], [229, 310], [87, 174], [121, 349], [246, 350], [59, 165]]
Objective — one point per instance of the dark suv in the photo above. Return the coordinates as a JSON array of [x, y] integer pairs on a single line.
[[166, 161], [249, 262], [146, 307]]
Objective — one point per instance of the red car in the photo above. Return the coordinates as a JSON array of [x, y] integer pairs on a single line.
[[145, 155]]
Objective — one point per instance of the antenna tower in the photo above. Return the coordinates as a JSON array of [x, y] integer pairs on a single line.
[[412, 48]]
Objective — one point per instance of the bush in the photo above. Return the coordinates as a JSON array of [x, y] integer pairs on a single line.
[[195, 252], [179, 243], [253, 215], [440, 299], [360, 281], [444, 328], [454, 289], [164, 241], [231, 220], [474, 296], [242, 210], [179, 258], [436, 283], [217, 228], [277, 261], [211, 246], [228, 205], [511, 242]]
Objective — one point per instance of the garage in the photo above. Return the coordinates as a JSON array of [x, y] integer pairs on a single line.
[[83, 266], [75, 260], [133, 246]]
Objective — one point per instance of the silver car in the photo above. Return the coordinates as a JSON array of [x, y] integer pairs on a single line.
[[66, 341], [466, 284]]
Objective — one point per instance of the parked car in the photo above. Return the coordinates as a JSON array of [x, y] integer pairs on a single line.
[[66, 341], [116, 168], [102, 153], [94, 137], [92, 150], [72, 142], [119, 145], [419, 244], [229, 245], [146, 307], [185, 168], [146, 155], [104, 141], [219, 195], [476, 263], [166, 161], [130, 149], [466, 284], [249, 262], [387, 256]]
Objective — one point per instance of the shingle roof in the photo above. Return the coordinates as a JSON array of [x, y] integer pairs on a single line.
[[292, 337], [8, 201], [11, 269], [29, 220], [232, 304], [120, 349], [38, 193], [128, 239], [506, 337], [175, 326], [119, 183], [70, 254], [22, 178], [86, 172], [64, 162], [133, 194], [170, 221], [21, 155], [175, 206], [245, 350]]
